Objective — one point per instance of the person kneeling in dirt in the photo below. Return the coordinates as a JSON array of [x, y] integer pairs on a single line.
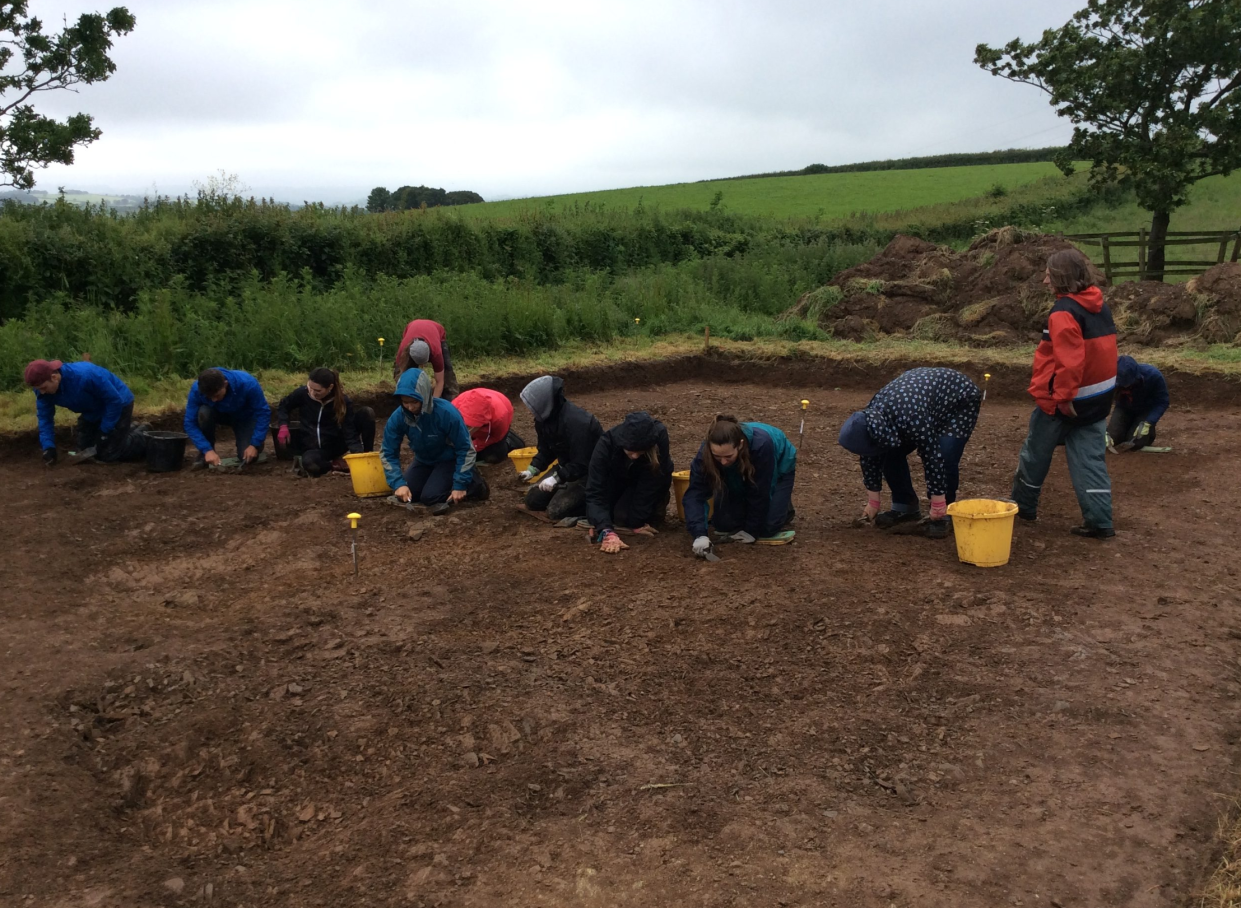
[[748, 469], [442, 473], [227, 397], [489, 417], [329, 426], [567, 434], [1073, 382], [425, 341], [105, 408], [1141, 399], [930, 410], [629, 480]]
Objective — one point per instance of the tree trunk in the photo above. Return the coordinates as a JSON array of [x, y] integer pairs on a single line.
[[1155, 247]]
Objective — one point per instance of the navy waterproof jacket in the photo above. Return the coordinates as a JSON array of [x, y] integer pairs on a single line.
[[773, 457], [435, 435], [243, 399], [86, 389], [1141, 389]]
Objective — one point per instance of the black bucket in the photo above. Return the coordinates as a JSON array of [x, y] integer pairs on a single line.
[[165, 451]]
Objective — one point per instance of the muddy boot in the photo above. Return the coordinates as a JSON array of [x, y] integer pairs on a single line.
[[1093, 532], [439, 510], [938, 529], [889, 519]]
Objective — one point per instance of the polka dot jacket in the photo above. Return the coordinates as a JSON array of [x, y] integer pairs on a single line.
[[916, 409]]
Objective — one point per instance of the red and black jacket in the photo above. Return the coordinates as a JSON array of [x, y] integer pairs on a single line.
[[1075, 362]]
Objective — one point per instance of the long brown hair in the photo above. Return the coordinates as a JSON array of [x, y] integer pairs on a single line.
[[325, 376], [726, 430], [1069, 272]]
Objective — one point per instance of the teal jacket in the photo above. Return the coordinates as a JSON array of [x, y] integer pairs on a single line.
[[773, 457], [437, 434]]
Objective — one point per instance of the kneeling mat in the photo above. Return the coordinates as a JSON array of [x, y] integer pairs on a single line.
[[784, 537]]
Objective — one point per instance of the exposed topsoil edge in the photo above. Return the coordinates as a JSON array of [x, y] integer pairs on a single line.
[[718, 366]]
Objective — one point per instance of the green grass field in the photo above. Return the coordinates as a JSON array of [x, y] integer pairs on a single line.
[[828, 196]]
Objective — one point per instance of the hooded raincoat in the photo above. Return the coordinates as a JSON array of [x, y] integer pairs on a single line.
[[1141, 389], [435, 435], [1075, 363], [566, 432], [614, 475]]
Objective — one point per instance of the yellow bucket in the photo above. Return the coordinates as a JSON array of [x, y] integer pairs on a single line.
[[521, 458], [680, 485], [984, 530], [367, 473]]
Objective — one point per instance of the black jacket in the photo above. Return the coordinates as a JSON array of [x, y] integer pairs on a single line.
[[569, 435], [612, 472], [318, 423]]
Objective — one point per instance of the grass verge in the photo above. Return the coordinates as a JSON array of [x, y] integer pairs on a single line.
[[164, 396]]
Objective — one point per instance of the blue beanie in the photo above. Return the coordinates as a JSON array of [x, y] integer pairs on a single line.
[[854, 437]]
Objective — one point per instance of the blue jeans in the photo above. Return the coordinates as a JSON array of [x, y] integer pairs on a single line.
[[896, 473], [1085, 448], [241, 424], [731, 510]]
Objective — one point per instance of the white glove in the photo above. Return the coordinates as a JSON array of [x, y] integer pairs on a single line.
[[527, 474], [701, 545], [742, 536], [549, 483]]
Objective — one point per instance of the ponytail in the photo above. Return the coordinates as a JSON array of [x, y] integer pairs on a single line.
[[325, 376]]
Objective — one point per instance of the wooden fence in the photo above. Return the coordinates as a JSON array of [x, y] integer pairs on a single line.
[[1139, 239]]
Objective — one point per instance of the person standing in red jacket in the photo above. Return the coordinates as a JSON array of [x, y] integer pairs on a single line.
[[1073, 384], [425, 341]]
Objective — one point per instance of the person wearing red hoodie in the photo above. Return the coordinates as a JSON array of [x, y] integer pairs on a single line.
[[489, 417], [1073, 384]]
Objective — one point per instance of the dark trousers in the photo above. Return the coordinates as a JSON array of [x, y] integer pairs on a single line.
[[900, 482], [241, 424], [451, 388], [624, 515], [431, 483], [1086, 453], [123, 444], [318, 460], [1122, 425], [731, 511], [566, 500], [498, 452]]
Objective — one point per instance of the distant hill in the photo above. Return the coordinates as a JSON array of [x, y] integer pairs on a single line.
[[957, 159]]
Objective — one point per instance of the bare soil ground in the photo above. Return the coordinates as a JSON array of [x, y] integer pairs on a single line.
[[202, 705]]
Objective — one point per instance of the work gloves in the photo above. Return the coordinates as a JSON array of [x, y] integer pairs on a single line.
[[49, 456], [283, 435], [527, 474], [549, 484], [611, 543], [702, 545], [1140, 434], [742, 536]]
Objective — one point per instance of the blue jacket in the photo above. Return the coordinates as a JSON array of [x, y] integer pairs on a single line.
[[436, 435], [244, 398], [87, 389], [1141, 389], [773, 457]]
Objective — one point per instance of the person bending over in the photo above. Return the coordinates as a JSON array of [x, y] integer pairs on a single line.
[[105, 408], [1141, 400], [329, 425], [489, 417], [748, 469], [442, 472], [567, 434], [425, 341], [931, 411], [629, 480], [226, 397]]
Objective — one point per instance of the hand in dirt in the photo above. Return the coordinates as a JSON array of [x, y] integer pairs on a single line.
[[611, 543], [250, 454], [457, 496], [211, 459], [645, 530], [403, 493], [863, 521], [869, 512]]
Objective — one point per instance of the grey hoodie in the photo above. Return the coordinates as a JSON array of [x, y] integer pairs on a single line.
[[540, 396]]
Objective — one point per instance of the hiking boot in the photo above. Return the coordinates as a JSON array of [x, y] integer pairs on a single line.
[[1029, 516], [1093, 532], [439, 510], [889, 519], [938, 529]]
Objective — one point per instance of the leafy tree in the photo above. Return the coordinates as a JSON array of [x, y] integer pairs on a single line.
[[379, 200], [1151, 87], [32, 61], [462, 197]]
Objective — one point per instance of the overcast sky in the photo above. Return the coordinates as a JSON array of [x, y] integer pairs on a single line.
[[306, 99]]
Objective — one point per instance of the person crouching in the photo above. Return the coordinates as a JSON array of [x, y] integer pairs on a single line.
[[629, 480]]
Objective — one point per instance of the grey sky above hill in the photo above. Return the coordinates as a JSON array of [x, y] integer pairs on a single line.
[[305, 99]]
